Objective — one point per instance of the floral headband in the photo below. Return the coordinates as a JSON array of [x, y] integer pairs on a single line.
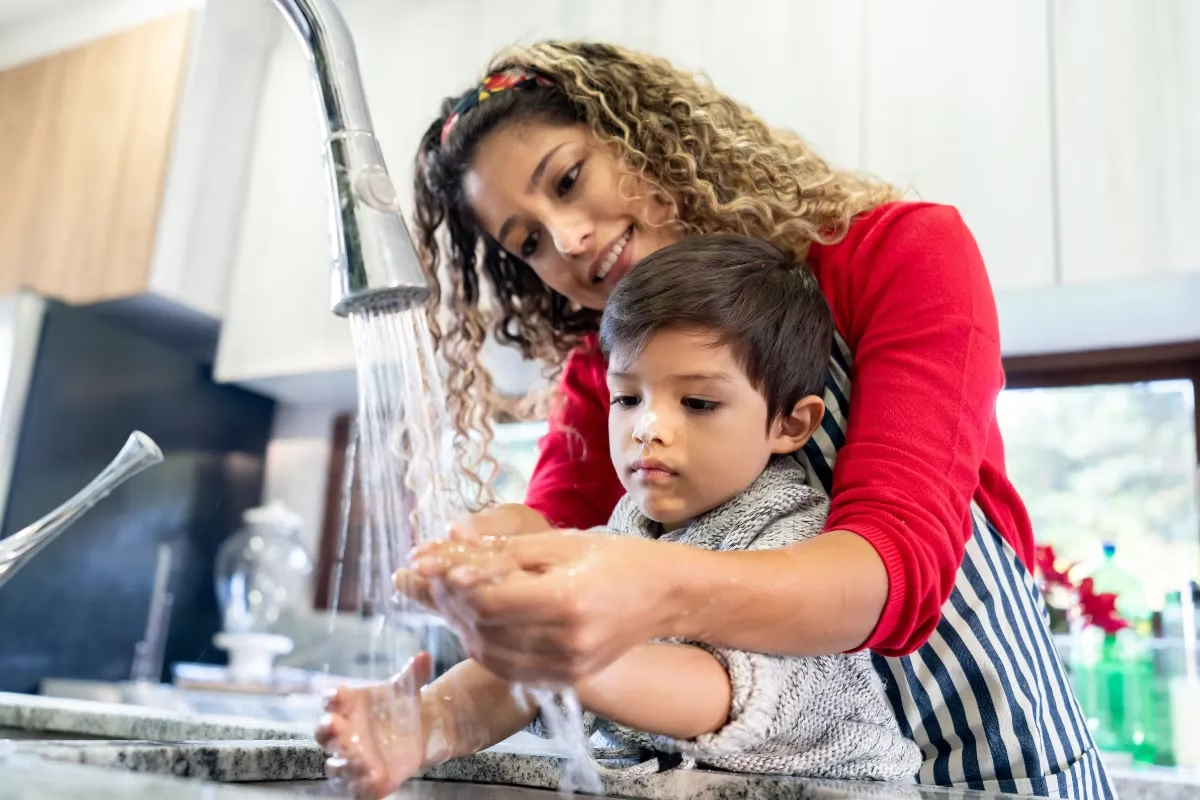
[[511, 78]]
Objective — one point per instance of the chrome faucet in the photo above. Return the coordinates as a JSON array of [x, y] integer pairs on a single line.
[[139, 452], [375, 266]]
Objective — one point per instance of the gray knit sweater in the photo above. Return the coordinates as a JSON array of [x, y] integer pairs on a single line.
[[823, 717]]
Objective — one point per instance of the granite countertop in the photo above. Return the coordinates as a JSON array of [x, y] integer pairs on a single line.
[[152, 740], [296, 767], [486, 776], [272, 760], [157, 743], [112, 721]]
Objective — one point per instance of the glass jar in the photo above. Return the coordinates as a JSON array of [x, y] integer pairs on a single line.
[[262, 570]]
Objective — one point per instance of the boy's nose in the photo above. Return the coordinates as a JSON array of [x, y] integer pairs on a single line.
[[652, 429]]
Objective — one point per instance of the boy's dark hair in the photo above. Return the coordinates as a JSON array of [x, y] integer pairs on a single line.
[[754, 298]]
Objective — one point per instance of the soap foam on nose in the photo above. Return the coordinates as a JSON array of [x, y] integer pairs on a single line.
[[647, 429]]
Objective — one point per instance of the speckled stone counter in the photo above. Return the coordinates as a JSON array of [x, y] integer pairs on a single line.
[[296, 767], [156, 743], [24, 778], [111, 721], [543, 772], [223, 761], [151, 742]]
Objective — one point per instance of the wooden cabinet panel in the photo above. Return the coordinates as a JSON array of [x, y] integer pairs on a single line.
[[86, 136]]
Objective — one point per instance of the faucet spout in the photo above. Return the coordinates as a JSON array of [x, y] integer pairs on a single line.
[[139, 452], [374, 264]]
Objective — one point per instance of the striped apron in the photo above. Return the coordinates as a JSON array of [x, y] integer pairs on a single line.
[[987, 698]]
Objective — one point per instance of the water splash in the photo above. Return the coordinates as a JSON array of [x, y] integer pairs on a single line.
[[411, 491], [563, 718]]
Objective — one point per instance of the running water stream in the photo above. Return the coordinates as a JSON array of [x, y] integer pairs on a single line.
[[411, 492]]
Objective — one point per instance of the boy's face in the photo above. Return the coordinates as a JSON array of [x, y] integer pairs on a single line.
[[686, 429]]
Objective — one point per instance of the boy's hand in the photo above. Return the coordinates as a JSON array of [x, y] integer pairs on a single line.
[[375, 735]]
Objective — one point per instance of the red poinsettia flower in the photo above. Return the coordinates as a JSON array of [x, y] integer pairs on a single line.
[[1094, 608], [1046, 565], [1099, 608]]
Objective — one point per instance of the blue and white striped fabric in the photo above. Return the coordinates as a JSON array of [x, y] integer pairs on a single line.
[[987, 698]]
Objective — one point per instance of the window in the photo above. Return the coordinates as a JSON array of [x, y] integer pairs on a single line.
[[1109, 454], [1110, 463]]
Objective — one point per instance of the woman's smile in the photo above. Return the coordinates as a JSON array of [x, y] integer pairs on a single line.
[[553, 197]]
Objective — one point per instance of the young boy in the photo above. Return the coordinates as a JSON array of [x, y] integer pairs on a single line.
[[709, 397]]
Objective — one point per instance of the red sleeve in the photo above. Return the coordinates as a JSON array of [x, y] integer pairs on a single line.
[[912, 300], [574, 484]]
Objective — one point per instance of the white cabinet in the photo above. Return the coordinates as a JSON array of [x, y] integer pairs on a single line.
[[201, 212], [1127, 100], [277, 319], [956, 109]]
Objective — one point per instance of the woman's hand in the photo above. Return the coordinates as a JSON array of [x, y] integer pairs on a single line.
[[556, 606], [510, 519]]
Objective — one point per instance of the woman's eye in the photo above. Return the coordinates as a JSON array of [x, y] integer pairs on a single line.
[[698, 405], [625, 400], [529, 246], [567, 181]]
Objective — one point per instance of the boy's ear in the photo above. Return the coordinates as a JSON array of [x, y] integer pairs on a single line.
[[790, 433]]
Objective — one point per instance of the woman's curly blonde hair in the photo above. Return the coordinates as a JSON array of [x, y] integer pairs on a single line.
[[726, 170]]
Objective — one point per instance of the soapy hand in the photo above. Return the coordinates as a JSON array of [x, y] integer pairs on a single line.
[[511, 519], [375, 735], [443, 574], [544, 606]]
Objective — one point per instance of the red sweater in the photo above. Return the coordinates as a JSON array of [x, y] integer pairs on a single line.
[[911, 298]]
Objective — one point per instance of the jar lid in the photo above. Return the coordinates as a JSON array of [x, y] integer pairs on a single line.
[[274, 513]]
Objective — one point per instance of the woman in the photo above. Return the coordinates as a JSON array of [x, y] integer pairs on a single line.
[[540, 188]]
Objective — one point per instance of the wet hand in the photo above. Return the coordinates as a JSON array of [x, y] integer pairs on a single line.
[[374, 734], [555, 606], [443, 571], [499, 522], [463, 564]]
